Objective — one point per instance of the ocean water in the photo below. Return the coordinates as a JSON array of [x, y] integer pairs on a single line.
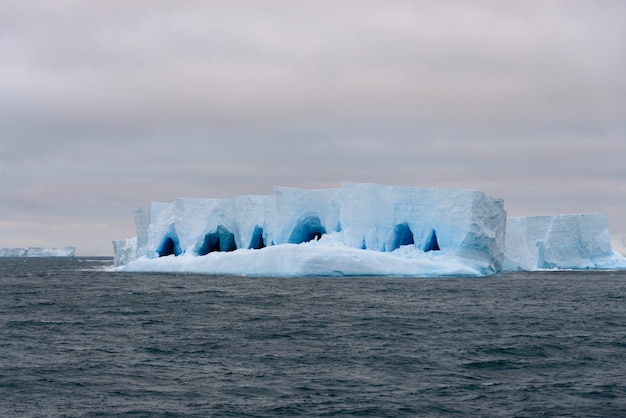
[[76, 340]]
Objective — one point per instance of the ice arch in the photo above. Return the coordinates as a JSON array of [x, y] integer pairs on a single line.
[[307, 229], [220, 240], [257, 242], [402, 235], [431, 243], [170, 245]]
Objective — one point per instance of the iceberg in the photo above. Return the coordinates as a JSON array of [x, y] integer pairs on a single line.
[[359, 229], [38, 252], [579, 241], [356, 229]]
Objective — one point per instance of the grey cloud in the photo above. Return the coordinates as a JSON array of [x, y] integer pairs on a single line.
[[104, 105], [229, 63]]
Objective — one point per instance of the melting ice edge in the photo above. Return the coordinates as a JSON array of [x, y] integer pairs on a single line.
[[360, 229]]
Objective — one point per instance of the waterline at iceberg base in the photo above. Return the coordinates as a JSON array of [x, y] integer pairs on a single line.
[[359, 229]]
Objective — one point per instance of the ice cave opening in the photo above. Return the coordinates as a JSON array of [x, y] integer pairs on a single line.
[[257, 242], [431, 242], [170, 245], [402, 235], [221, 240], [307, 229]]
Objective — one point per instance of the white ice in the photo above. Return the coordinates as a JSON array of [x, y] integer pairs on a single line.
[[359, 229], [579, 241], [326, 257]]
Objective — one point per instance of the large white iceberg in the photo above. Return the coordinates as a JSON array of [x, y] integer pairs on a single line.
[[357, 229], [560, 242]]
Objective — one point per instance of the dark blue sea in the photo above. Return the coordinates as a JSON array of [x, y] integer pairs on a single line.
[[77, 340]]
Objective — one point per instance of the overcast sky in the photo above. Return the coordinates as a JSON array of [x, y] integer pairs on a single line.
[[107, 104]]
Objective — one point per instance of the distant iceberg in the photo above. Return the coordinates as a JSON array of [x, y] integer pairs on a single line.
[[359, 229], [560, 242], [38, 252]]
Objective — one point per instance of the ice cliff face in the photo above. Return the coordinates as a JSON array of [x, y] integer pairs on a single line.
[[559, 242], [460, 224], [360, 229]]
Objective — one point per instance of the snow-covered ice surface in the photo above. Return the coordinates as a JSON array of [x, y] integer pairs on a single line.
[[326, 257], [359, 229]]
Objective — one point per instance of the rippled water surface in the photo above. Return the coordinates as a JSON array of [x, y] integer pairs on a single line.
[[76, 340]]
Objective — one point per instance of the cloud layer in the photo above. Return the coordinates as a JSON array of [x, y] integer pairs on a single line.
[[107, 104]]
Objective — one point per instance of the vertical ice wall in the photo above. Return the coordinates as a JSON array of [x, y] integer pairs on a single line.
[[124, 251], [149, 221], [254, 217], [464, 223], [560, 241], [302, 214], [467, 223], [194, 218], [485, 230]]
